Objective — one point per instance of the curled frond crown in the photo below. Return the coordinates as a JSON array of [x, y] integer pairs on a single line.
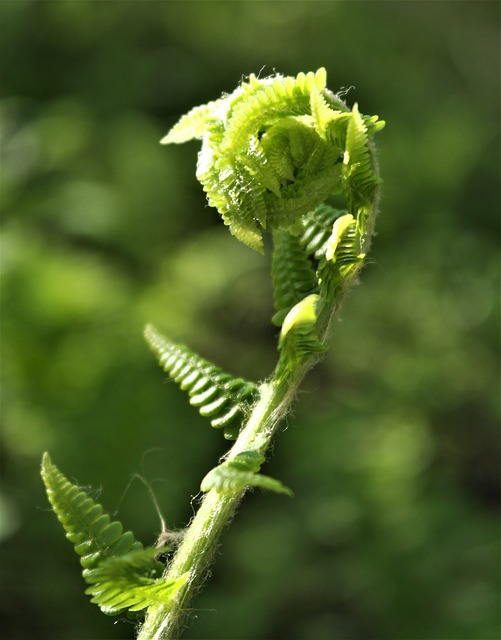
[[275, 149]]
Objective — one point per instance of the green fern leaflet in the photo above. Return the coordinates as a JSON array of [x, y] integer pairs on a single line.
[[120, 571], [299, 338], [129, 582], [218, 395], [293, 274], [317, 229], [240, 472]]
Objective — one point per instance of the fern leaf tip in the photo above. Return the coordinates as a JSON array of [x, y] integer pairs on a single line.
[[321, 78], [149, 329]]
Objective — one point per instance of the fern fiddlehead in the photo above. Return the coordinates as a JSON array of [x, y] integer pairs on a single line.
[[273, 152]]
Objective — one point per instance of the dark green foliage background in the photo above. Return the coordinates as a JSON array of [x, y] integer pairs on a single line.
[[393, 449]]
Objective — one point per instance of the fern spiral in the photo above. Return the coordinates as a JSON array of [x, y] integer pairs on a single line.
[[275, 149]]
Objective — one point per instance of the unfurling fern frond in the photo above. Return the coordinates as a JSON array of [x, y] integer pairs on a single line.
[[120, 571], [293, 274], [342, 257], [317, 229], [127, 582], [322, 113], [298, 337], [359, 177], [343, 246], [218, 395], [240, 472], [278, 147], [194, 123], [268, 155]]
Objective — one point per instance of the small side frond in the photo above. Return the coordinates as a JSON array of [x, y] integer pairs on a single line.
[[342, 247], [248, 236], [267, 99], [218, 395], [373, 124], [298, 337], [343, 256], [321, 112], [91, 531], [358, 178], [242, 209], [257, 163], [293, 274], [120, 572], [194, 123], [317, 229], [128, 582], [240, 472]]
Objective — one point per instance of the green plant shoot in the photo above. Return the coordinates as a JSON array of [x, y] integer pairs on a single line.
[[274, 154]]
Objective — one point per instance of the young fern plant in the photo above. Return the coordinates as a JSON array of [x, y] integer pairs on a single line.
[[273, 153]]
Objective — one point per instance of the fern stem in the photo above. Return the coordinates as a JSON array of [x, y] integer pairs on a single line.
[[194, 555], [218, 508], [216, 511], [272, 152]]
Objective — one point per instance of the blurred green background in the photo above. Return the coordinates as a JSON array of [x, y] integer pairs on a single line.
[[392, 450]]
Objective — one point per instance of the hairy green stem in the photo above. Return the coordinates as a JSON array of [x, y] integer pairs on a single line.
[[272, 152], [216, 511], [217, 508]]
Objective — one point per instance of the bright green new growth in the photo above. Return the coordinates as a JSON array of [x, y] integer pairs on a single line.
[[293, 274], [272, 152], [218, 395], [240, 472], [317, 229], [275, 149], [122, 574]]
